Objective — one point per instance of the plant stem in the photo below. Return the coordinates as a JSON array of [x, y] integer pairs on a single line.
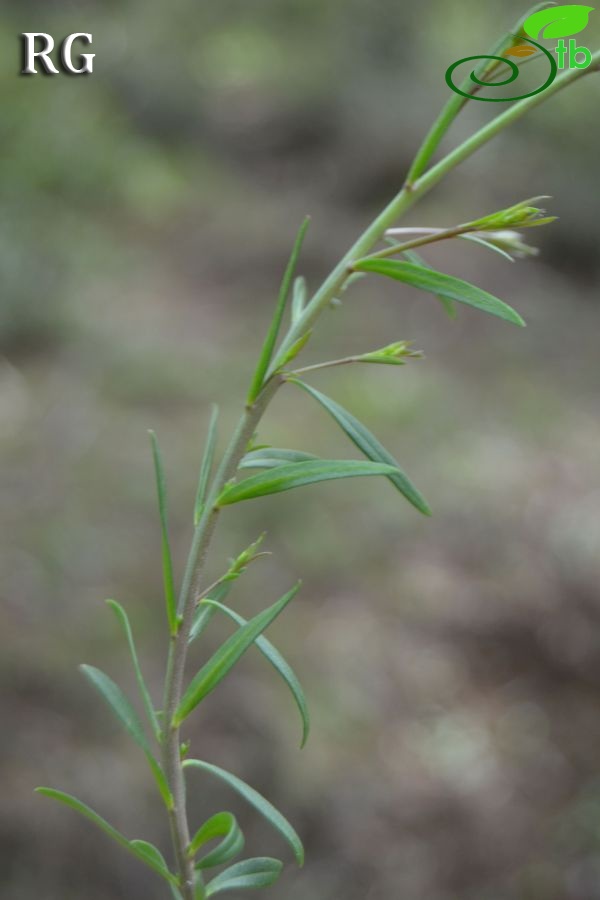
[[248, 423], [409, 195], [456, 102], [441, 235], [178, 647]]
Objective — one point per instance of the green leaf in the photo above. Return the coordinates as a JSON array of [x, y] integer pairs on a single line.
[[223, 825], [118, 703], [293, 352], [86, 811], [260, 804], [205, 613], [558, 22], [271, 457], [152, 856], [167, 562], [447, 305], [299, 298], [294, 475], [444, 285], [207, 463], [144, 851], [280, 665], [271, 338], [220, 590], [161, 781], [145, 694], [476, 239], [251, 873], [225, 658], [126, 714], [368, 444]]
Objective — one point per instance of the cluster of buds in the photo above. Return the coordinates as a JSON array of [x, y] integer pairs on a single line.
[[521, 215], [393, 355]]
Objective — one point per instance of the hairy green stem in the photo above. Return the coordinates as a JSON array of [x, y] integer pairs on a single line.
[[248, 423], [178, 647]]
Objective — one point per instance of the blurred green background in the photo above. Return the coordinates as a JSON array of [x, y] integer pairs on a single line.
[[452, 665]]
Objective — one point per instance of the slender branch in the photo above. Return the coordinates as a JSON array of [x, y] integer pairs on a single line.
[[409, 195], [431, 238], [329, 364], [457, 102]]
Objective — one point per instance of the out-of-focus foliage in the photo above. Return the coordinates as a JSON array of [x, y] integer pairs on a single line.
[[453, 669]]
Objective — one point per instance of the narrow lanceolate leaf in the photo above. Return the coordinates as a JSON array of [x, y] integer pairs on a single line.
[[447, 305], [252, 796], [86, 811], [280, 665], [271, 338], [251, 873], [225, 658], [145, 694], [152, 856], [477, 239], [144, 851], [118, 703], [299, 298], [284, 478], [293, 352], [126, 714], [368, 444], [222, 825], [445, 285], [271, 457], [169, 584], [207, 463]]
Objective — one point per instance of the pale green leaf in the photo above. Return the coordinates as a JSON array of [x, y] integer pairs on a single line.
[[222, 825], [251, 873], [447, 305], [167, 562], [145, 694], [299, 298], [225, 658], [280, 665], [368, 444], [144, 851], [252, 796], [271, 457], [271, 338], [207, 463], [293, 352], [476, 239], [152, 856], [445, 285], [293, 475], [118, 703]]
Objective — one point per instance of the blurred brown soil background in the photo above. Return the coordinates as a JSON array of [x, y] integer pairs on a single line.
[[452, 665]]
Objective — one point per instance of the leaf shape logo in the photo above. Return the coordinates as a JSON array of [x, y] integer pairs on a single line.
[[520, 50], [558, 22]]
